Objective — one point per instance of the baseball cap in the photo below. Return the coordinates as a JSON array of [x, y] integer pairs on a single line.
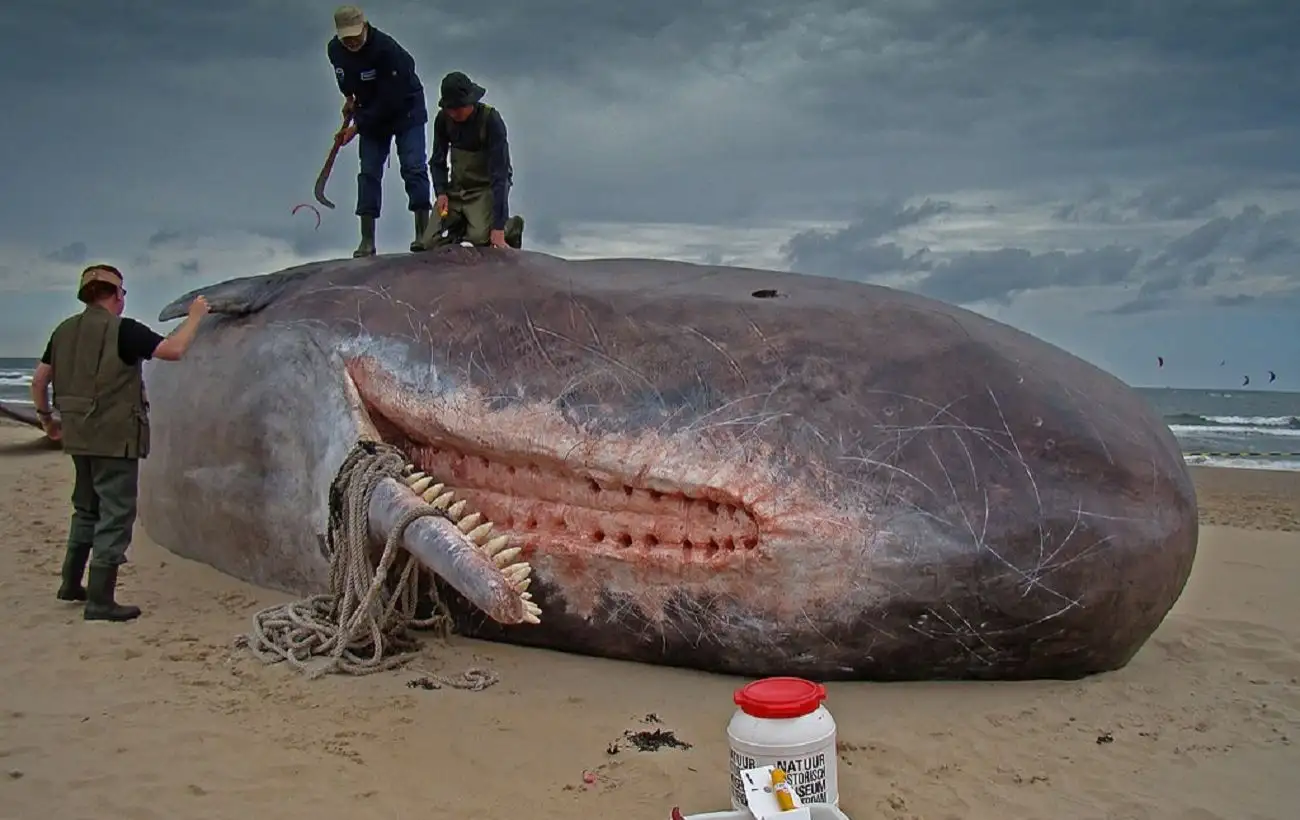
[[349, 21], [99, 273]]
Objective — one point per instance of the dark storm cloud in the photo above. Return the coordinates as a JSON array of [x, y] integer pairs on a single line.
[[1249, 244], [1076, 87], [161, 237], [712, 112], [1142, 304], [1002, 274], [1180, 198], [1235, 301], [858, 252], [169, 134], [73, 253], [1183, 197], [854, 251]]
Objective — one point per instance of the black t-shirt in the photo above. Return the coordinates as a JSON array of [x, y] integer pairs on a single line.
[[136, 342]]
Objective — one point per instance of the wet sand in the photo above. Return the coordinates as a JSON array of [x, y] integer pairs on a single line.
[[161, 718], [1252, 499]]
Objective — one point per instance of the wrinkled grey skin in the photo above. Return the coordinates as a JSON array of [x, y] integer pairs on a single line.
[[940, 495]]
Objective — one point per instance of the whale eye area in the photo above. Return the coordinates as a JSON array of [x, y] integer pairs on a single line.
[[547, 505]]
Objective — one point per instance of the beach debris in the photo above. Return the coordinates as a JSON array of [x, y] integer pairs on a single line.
[[647, 741], [474, 679], [1105, 737], [656, 740]]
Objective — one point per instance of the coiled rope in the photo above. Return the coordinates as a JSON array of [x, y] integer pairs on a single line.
[[358, 627]]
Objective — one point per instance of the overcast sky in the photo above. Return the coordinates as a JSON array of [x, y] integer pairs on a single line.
[[1120, 178]]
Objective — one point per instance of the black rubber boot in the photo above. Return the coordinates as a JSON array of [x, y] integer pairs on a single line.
[[101, 604], [74, 568], [515, 232], [421, 225], [367, 246], [452, 224]]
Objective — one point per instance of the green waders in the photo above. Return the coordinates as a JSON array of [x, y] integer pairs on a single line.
[[469, 201], [104, 414]]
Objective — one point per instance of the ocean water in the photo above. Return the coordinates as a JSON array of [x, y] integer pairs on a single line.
[[1218, 428]]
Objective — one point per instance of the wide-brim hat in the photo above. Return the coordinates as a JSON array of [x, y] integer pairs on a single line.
[[459, 90]]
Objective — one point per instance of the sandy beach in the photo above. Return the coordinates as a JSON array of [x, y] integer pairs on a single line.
[[162, 718]]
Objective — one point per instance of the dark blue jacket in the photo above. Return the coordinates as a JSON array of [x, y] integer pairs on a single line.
[[381, 75]]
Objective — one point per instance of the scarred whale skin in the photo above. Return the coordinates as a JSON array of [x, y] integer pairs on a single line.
[[828, 478]]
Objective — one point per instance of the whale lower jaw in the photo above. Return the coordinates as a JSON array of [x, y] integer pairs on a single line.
[[560, 504]]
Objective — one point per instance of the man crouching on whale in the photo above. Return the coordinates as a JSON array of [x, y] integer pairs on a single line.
[[471, 171], [94, 360]]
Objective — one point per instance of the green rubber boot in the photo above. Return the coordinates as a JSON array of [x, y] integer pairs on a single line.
[[515, 232], [421, 227], [74, 568], [101, 604], [367, 246]]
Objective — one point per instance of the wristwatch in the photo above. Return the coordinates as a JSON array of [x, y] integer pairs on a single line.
[[45, 414]]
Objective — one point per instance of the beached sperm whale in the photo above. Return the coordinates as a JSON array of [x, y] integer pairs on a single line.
[[733, 470]]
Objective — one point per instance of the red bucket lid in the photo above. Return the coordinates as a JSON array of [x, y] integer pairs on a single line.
[[780, 697]]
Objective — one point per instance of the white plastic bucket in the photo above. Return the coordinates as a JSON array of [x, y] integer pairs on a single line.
[[817, 811], [781, 722]]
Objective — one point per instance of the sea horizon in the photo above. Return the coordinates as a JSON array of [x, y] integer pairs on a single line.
[[1240, 427]]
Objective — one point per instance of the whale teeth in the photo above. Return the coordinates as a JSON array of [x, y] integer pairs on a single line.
[[479, 532], [433, 492], [413, 478], [505, 557], [516, 573]]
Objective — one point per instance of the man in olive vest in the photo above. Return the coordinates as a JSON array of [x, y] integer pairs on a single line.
[[94, 361], [474, 204]]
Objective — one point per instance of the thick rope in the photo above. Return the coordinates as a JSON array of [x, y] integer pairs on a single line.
[[358, 627]]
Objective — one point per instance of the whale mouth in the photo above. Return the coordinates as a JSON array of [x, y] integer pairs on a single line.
[[551, 504], [545, 504]]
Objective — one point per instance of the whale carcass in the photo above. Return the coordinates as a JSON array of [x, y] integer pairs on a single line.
[[733, 470]]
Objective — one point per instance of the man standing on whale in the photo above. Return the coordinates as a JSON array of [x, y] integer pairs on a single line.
[[385, 101], [474, 200]]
